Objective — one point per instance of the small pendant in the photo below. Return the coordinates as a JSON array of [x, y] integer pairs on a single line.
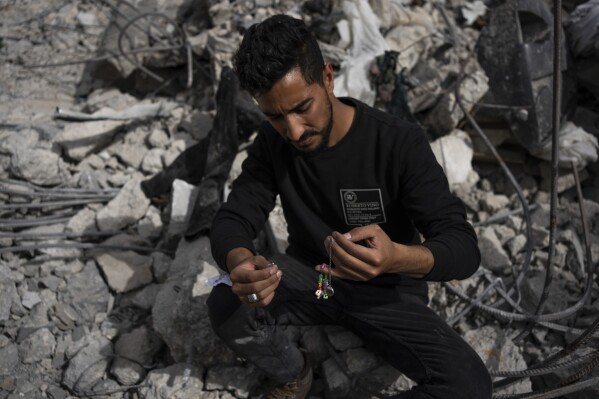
[[329, 291], [318, 294]]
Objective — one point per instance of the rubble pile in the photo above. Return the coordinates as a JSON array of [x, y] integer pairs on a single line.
[[122, 125]]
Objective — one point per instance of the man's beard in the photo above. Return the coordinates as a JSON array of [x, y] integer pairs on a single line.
[[324, 134]]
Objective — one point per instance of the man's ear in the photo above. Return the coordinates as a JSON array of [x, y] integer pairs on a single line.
[[328, 78]]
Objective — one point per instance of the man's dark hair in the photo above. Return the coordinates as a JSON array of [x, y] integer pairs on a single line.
[[272, 48]]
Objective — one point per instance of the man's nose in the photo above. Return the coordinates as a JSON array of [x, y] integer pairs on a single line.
[[294, 128]]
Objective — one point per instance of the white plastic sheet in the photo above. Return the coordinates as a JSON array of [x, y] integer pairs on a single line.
[[575, 144], [367, 44]]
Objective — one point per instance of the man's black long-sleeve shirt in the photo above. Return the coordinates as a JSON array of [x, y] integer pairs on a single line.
[[382, 171]]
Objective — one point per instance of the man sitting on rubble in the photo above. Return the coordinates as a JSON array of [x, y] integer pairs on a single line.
[[357, 186]]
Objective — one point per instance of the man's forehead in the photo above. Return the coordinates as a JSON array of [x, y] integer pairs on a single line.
[[289, 92]]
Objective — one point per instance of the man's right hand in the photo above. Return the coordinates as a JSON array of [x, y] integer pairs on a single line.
[[251, 274]]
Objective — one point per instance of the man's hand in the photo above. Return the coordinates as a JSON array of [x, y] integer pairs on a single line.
[[255, 275], [366, 252]]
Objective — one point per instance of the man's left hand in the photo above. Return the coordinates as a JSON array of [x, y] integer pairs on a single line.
[[366, 252]]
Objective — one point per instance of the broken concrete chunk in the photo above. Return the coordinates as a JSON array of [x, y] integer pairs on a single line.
[[150, 226], [336, 379], [454, 153], [39, 166], [493, 255], [125, 270], [126, 371], [237, 379], [499, 352], [183, 199], [152, 161], [109, 98], [88, 366], [170, 383], [37, 346], [81, 139], [494, 203], [126, 208], [83, 221]]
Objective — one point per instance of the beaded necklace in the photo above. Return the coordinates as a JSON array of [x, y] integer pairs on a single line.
[[324, 288]]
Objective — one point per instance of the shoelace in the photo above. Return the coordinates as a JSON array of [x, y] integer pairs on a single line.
[[286, 391]]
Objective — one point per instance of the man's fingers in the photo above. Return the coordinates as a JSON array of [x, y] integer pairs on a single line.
[[257, 287], [253, 273], [345, 250], [263, 296]]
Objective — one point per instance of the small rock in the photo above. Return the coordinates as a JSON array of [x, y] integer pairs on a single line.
[[493, 255], [336, 380], [494, 203], [89, 365], [39, 166], [239, 380], [152, 162], [343, 339], [125, 270], [170, 383], [127, 372], [81, 139], [30, 299], [150, 226], [126, 208], [37, 346]]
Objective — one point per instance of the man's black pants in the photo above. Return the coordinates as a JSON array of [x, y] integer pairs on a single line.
[[399, 327]]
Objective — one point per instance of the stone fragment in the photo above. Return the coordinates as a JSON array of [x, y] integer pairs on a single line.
[[82, 222], [125, 270], [9, 359], [454, 153], [494, 203], [183, 200], [499, 352], [158, 138], [129, 205], [7, 293], [359, 360], [337, 382], [109, 98], [131, 149], [170, 383], [66, 316], [37, 346], [140, 345], [540, 237], [540, 216], [385, 378], [39, 166], [314, 342], [150, 226], [81, 139], [182, 321], [126, 371], [30, 299], [190, 257], [175, 149], [516, 244], [161, 263], [25, 139], [152, 161], [88, 365], [493, 255], [504, 233], [239, 380], [143, 298], [86, 292], [342, 339]]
